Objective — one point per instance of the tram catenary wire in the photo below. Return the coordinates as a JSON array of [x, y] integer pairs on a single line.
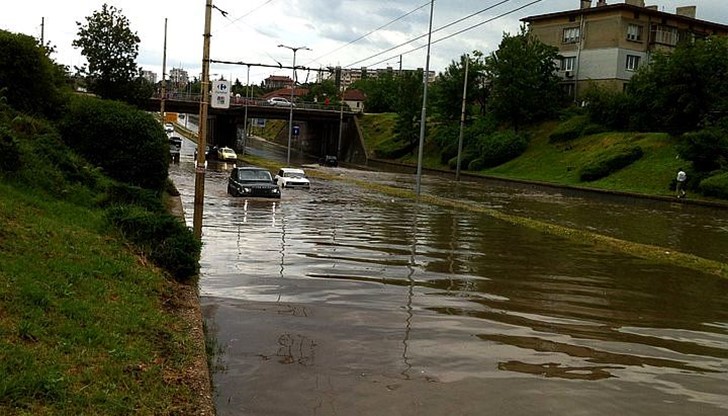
[[448, 36]]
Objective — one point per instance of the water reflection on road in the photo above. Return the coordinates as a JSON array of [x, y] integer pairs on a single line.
[[340, 301]]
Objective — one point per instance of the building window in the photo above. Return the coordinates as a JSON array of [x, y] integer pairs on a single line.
[[571, 35], [664, 35], [633, 62], [567, 63], [634, 33]]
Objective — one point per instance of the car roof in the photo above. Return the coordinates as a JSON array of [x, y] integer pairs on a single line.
[[250, 168], [292, 170]]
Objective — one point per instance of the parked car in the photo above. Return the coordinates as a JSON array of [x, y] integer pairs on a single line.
[[281, 102], [252, 182], [329, 160], [175, 145], [292, 178], [226, 154]]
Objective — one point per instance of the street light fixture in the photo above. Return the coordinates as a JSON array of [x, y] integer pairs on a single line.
[[293, 86]]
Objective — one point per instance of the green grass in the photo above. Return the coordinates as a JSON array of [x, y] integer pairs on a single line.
[[377, 129], [83, 328], [560, 163]]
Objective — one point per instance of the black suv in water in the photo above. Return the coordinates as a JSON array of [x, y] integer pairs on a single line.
[[252, 182]]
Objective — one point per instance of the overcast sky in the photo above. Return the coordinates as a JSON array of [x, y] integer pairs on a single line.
[[252, 30]]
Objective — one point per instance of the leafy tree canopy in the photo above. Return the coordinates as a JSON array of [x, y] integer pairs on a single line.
[[685, 89], [29, 80], [111, 49], [524, 84], [447, 90]]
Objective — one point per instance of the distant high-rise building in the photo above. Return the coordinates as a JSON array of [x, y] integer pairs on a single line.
[[149, 76]]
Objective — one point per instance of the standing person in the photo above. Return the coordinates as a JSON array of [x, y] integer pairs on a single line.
[[681, 178]]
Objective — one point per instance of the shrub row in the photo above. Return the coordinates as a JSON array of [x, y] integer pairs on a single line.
[[163, 238], [574, 128], [609, 161], [716, 185]]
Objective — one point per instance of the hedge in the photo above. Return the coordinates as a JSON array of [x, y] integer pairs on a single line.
[[609, 161]]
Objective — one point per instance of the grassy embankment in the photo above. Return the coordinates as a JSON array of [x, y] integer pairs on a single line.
[[559, 163], [87, 326]]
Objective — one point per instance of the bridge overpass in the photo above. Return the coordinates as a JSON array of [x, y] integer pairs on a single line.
[[318, 124]]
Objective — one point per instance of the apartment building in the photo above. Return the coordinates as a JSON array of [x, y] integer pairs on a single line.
[[150, 76], [178, 77], [606, 43], [348, 76]]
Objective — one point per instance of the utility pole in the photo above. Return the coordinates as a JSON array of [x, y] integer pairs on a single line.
[[164, 71], [462, 118], [293, 85], [42, 31], [341, 125], [426, 79], [245, 123], [202, 131]]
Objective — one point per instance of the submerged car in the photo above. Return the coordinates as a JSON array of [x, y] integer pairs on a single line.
[[226, 154], [252, 182], [329, 160], [292, 178], [175, 146]]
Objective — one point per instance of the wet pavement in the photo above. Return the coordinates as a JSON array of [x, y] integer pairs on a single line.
[[341, 301]]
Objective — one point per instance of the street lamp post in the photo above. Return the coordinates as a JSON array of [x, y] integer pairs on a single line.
[[293, 85]]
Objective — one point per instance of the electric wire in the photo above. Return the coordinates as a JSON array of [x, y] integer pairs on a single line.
[[451, 35], [424, 35], [370, 32]]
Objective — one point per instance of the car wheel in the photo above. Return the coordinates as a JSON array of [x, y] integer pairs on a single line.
[[232, 191]]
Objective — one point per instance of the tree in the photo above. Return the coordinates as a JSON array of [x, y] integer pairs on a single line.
[[447, 90], [524, 84], [29, 80], [409, 105], [111, 49], [683, 90], [381, 92]]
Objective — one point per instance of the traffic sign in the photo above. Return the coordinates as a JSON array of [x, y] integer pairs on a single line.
[[221, 94], [296, 130]]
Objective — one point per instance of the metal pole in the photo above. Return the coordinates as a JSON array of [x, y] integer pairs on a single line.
[[293, 85], [462, 118], [424, 105], [341, 125], [202, 131], [245, 122], [290, 114], [164, 71]]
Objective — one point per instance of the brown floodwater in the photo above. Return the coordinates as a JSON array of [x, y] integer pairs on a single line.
[[340, 301]]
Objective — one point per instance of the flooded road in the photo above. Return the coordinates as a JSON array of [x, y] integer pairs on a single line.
[[341, 301]]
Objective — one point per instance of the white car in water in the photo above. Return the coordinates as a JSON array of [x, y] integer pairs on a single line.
[[292, 178]]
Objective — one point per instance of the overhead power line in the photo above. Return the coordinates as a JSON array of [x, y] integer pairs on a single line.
[[434, 31], [467, 29], [233, 21], [370, 32]]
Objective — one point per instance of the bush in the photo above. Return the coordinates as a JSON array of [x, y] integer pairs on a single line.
[[35, 85], [163, 238], [706, 149], [123, 194], [128, 144], [500, 147], [716, 185], [569, 130], [608, 108], [9, 152], [465, 159], [393, 149], [610, 161]]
